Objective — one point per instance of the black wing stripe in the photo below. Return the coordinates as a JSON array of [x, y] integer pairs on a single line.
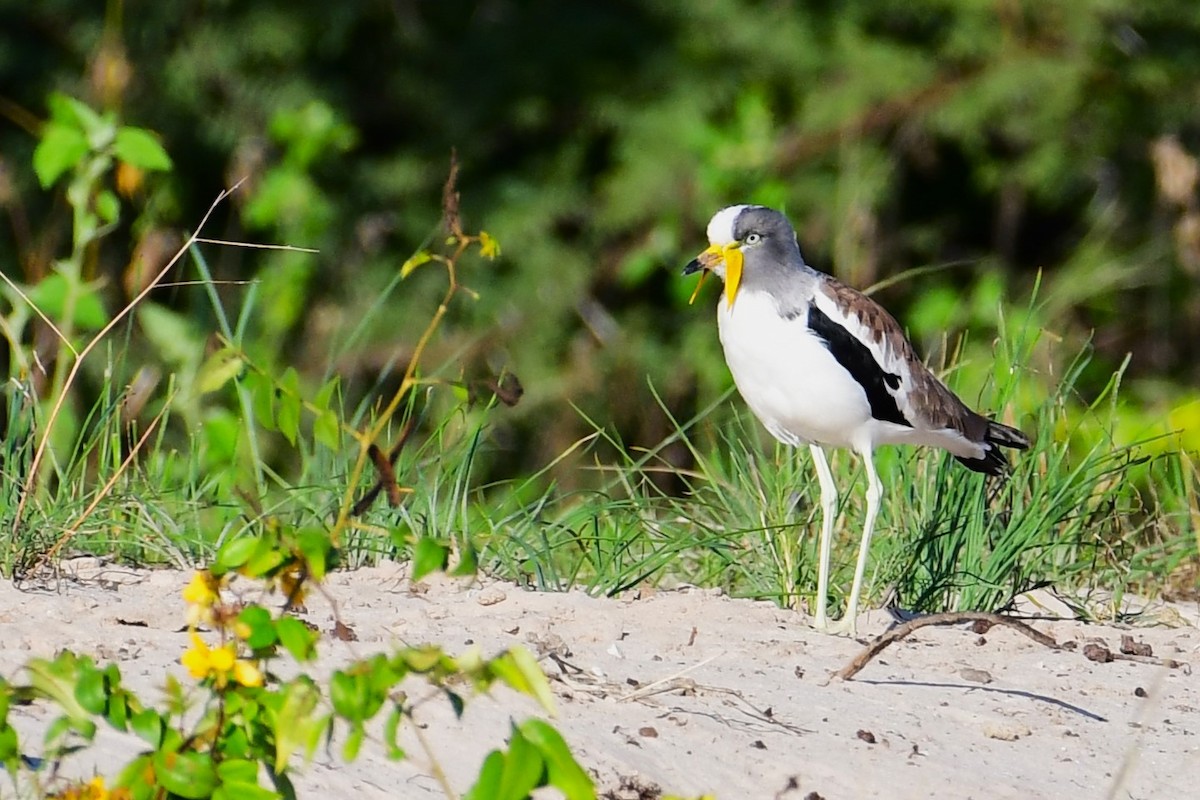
[[861, 364]]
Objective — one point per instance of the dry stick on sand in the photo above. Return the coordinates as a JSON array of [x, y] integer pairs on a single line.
[[950, 618]]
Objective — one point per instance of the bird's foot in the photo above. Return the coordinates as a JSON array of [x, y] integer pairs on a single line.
[[842, 627]]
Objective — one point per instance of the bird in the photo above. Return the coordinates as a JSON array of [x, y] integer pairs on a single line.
[[823, 365]]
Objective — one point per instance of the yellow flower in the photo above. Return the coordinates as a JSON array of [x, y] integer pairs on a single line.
[[245, 673], [220, 664], [202, 590], [201, 594], [489, 248], [92, 790]]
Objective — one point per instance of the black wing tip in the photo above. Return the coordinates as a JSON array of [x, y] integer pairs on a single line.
[[993, 462], [1005, 436]]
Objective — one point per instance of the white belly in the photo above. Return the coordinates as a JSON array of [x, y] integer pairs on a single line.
[[788, 377]]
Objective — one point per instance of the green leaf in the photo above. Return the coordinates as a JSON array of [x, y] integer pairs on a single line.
[[108, 207], [519, 670], [267, 557], [56, 680], [468, 561], [90, 691], [238, 769], [415, 260], [523, 768], [148, 726], [10, 744], [139, 147], [62, 148], [487, 786], [327, 430], [294, 725], [133, 776], [327, 426], [243, 790], [422, 659], [219, 369], [563, 770], [429, 555], [345, 693], [117, 712], [325, 394], [353, 694], [262, 398], [353, 743], [456, 703], [262, 627], [235, 553], [221, 430], [287, 416], [297, 638], [50, 295], [190, 775], [316, 548], [391, 729], [68, 111], [172, 333]]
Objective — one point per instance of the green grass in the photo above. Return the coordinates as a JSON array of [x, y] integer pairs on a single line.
[[1073, 514], [715, 503]]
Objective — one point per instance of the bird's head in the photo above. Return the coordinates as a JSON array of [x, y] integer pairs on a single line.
[[744, 240]]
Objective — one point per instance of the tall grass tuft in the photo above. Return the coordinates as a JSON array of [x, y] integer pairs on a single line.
[[1070, 515]]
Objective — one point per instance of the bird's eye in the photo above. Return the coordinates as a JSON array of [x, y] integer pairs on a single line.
[[753, 238]]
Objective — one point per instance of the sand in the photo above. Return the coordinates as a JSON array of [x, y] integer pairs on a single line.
[[689, 691]]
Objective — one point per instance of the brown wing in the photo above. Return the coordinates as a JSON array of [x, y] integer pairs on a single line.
[[925, 401]]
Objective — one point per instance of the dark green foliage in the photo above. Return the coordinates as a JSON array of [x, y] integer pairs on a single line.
[[949, 149], [597, 138]]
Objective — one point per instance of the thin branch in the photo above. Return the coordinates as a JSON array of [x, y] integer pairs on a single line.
[[373, 432], [950, 618], [256, 245], [435, 766]]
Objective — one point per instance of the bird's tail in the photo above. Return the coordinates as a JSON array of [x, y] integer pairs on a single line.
[[993, 461]]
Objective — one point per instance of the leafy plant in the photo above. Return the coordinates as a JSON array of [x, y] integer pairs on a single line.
[[253, 722]]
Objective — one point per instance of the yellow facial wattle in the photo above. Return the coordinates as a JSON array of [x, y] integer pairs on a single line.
[[732, 256]]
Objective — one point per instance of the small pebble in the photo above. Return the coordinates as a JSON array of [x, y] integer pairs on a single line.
[[975, 675], [1005, 731], [491, 596]]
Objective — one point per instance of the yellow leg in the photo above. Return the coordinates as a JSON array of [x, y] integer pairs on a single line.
[[828, 512]]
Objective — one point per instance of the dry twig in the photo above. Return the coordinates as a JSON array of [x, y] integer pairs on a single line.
[[950, 618]]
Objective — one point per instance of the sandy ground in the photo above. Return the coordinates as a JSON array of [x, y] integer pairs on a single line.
[[692, 692]]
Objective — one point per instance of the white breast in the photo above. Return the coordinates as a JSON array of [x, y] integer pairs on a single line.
[[788, 377]]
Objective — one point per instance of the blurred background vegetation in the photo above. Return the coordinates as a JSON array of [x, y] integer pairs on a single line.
[[957, 153]]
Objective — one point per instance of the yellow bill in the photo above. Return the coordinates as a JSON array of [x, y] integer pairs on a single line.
[[730, 256], [696, 291]]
